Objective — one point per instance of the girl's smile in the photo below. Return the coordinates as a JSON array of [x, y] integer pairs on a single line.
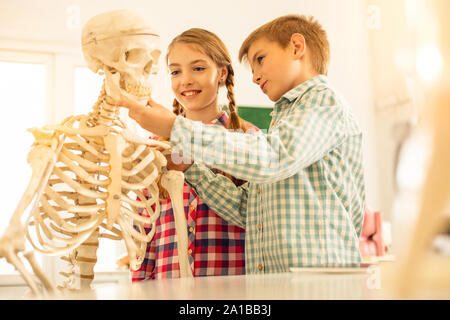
[[191, 94]]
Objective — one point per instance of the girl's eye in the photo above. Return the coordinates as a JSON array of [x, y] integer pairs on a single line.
[[199, 69], [174, 73], [259, 59]]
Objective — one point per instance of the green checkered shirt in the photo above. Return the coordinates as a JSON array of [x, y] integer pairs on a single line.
[[303, 205]]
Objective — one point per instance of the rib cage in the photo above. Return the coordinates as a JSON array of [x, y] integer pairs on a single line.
[[76, 199]]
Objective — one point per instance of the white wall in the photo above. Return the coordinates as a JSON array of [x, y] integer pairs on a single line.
[[53, 25]]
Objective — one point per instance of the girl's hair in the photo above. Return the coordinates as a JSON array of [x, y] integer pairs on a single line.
[[211, 45]]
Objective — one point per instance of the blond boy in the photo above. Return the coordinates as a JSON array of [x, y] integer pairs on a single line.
[[304, 202]]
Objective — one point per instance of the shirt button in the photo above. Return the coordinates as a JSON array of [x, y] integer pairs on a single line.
[[192, 208], [259, 227], [189, 251], [191, 229], [259, 190], [260, 267]]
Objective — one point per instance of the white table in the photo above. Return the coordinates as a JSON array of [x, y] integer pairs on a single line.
[[286, 286]]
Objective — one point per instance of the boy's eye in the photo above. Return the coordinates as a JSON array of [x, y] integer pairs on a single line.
[[199, 68], [259, 59], [174, 73]]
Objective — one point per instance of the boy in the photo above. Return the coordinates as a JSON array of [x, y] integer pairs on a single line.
[[304, 202]]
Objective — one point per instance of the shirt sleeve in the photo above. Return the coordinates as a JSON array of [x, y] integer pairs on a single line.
[[314, 125], [219, 193]]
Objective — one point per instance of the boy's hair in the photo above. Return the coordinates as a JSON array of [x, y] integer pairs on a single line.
[[281, 30], [214, 48]]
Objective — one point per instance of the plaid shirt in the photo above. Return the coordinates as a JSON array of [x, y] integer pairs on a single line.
[[303, 205], [215, 247]]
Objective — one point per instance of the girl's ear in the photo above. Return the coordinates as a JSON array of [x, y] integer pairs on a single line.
[[298, 44], [223, 74]]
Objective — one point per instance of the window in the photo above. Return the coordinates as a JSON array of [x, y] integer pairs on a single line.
[[24, 95], [39, 89], [87, 86]]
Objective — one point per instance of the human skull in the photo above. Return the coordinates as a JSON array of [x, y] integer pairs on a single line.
[[126, 48]]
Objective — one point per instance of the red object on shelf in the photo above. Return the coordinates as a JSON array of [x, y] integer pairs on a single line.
[[371, 241]]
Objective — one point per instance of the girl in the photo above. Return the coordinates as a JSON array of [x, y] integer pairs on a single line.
[[199, 64]]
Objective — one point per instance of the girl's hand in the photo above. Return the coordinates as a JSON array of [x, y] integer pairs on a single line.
[[180, 165], [123, 263], [153, 117]]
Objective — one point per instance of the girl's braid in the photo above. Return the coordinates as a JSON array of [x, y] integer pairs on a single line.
[[234, 122]]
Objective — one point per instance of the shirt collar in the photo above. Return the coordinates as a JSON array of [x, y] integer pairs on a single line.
[[302, 89], [221, 119]]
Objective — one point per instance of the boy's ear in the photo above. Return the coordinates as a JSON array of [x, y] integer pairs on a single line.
[[298, 44]]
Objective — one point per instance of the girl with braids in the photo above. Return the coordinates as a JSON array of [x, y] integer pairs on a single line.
[[199, 64]]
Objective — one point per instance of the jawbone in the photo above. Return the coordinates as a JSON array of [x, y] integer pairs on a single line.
[[118, 88]]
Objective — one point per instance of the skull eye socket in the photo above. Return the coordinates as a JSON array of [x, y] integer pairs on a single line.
[[112, 70], [155, 55], [148, 67], [135, 56]]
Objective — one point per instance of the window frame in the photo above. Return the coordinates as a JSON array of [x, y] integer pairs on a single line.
[[60, 63]]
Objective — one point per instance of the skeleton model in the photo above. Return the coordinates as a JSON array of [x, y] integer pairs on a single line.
[[88, 172]]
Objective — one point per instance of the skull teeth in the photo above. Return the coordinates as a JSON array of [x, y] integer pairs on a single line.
[[137, 91]]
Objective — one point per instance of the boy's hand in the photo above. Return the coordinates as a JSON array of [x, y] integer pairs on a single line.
[[156, 119]]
